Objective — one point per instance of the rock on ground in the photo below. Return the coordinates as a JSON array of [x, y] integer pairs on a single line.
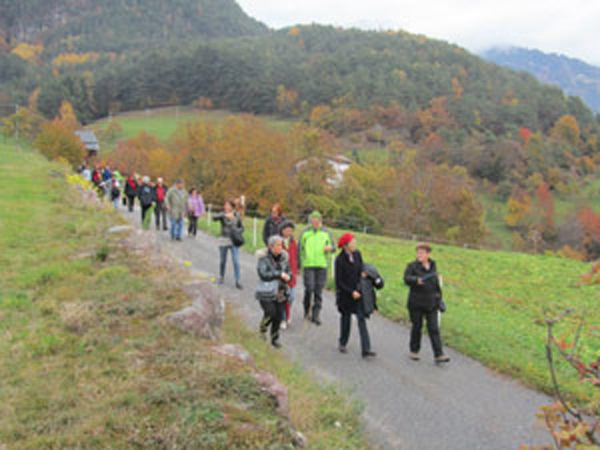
[[205, 316], [275, 389]]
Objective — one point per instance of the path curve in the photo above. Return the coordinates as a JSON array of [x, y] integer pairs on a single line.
[[407, 405]]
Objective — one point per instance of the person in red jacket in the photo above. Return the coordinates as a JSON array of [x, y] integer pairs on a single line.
[[160, 212], [286, 230]]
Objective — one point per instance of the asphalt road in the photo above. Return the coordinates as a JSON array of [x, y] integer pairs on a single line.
[[407, 405]]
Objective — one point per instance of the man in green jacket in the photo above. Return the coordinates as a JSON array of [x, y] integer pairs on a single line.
[[315, 245]]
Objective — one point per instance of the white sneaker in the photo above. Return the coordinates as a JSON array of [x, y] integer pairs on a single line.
[[284, 325]]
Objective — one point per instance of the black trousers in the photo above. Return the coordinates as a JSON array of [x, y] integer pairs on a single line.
[[130, 202], [315, 280], [273, 311], [346, 325], [193, 226], [160, 213], [431, 317]]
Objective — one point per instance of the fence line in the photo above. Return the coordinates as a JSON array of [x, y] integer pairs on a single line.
[[353, 223]]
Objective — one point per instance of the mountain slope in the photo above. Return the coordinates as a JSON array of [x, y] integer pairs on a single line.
[[574, 76], [115, 25]]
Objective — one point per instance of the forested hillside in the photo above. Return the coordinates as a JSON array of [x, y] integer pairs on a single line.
[[387, 99], [573, 75], [116, 25]]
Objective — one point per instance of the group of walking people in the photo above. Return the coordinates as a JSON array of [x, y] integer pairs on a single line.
[[356, 284], [286, 258]]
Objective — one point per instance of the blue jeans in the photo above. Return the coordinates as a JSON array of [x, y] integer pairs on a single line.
[[235, 256], [176, 228]]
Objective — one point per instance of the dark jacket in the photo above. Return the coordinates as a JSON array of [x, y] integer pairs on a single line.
[[347, 280], [270, 268], [428, 295], [146, 194], [271, 227], [131, 187], [368, 286], [227, 225]]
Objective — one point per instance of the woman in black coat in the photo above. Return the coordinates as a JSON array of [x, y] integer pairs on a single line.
[[348, 272], [424, 301]]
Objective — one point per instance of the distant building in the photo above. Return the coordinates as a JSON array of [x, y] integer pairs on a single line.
[[90, 142], [339, 163]]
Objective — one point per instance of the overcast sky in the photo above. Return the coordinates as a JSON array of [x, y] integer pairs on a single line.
[[571, 27]]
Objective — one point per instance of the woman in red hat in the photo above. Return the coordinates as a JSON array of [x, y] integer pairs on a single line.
[[348, 273]]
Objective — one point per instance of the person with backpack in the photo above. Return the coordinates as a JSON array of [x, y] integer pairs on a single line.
[[160, 210], [273, 222], [290, 245], [195, 208], [315, 246], [146, 197], [349, 270], [131, 191], [424, 303], [176, 203], [230, 240], [272, 291]]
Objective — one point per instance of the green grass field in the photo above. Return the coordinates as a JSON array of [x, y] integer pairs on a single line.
[[87, 360], [496, 303], [164, 122]]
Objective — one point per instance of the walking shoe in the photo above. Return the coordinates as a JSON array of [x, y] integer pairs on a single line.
[[316, 321], [276, 344], [442, 359], [369, 354], [343, 349], [284, 325], [414, 356], [239, 286]]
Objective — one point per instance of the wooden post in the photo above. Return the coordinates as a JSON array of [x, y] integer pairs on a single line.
[[255, 231]]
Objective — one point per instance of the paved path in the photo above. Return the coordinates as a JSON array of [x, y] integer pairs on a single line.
[[408, 405]]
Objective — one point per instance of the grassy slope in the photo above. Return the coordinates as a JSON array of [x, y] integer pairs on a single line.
[[496, 302], [163, 122], [86, 360]]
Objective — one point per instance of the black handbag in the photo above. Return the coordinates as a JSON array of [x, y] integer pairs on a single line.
[[237, 236], [267, 290]]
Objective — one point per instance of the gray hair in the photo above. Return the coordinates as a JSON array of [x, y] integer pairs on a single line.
[[275, 240], [146, 180]]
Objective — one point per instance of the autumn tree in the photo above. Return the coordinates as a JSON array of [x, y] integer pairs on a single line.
[[56, 141], [567, 130]]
